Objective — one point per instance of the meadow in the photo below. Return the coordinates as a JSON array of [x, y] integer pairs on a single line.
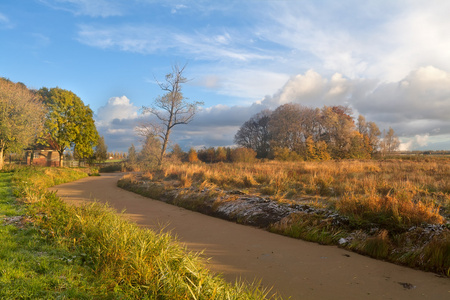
[[392, 209], [51, 250]]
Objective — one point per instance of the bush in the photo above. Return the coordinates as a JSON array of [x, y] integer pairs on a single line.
[[246, 155]]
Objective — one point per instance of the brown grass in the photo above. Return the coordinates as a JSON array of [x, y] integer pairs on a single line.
[[399, 192], [384, 208]]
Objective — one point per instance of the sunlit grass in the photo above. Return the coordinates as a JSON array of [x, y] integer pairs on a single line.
[[384, 206], [91, 252]]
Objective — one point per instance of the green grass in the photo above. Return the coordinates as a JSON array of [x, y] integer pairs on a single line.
[[31, 267], [58, 251]]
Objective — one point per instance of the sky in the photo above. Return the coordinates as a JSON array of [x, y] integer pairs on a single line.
[[387, 60]]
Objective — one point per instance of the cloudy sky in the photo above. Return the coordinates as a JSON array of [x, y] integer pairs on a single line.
[[387, 60]]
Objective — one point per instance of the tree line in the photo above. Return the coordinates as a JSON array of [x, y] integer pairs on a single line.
[[55, 118], [296, 132]]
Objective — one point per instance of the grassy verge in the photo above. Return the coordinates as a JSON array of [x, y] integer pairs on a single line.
[[90, 252], [31, 267]]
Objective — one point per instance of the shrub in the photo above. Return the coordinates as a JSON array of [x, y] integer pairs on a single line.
[[245, 155]]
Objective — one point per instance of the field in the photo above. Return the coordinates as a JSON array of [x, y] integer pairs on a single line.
[[392, 209]]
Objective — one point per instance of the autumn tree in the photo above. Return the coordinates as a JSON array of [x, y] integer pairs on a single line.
[[171, 109], [192, 156], [245, 155], [254, 134], [390, 142], [132, 156], [285, 127], [338, 130], [21, 117], [178, 153], [221, 154], [149, 156], [69, 123], [371, 134]]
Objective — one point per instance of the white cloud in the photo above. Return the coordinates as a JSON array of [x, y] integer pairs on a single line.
[[244, 83], [416, 37], [415, 142], [97, 8], [151, 39], [311, 89], [117, 108], [5, 22]]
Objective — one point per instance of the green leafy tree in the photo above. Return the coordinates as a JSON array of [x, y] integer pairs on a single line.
[[69, 123], [101, 150], [21, 117]]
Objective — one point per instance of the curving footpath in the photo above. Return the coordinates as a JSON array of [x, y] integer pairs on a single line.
[[294, 268]]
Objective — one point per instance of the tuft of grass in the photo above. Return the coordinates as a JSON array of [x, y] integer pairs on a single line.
[[378, 246], [310, 228]]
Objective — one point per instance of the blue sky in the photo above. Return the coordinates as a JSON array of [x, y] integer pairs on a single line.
[[387, 60]]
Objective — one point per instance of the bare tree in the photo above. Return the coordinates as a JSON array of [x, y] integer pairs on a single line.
[[390, 142], [171, 109], [254, 134]]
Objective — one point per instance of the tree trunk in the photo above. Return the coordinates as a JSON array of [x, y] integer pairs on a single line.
[[164, 147], [1, 159], [61, 158]]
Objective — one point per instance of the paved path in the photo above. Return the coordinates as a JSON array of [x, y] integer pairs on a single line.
[[295, 268]]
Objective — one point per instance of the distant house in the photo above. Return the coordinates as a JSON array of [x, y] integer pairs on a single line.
[[42, 156]]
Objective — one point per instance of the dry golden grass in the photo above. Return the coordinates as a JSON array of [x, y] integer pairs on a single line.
[[401, 192]]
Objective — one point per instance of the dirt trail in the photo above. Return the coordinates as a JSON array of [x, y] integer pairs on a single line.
[[295, 268]]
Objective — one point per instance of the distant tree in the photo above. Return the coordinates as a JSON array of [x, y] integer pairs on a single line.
[[390, 142], [371, 134], [69, 123], [338, 130], [132, 156], [21, 117], [149, 156], [171, 109], [285, 154], [178, 153], [311, 151], [192, 156], [286, 130], [254, 134], [246, 155], [101, 150], [221, 154]]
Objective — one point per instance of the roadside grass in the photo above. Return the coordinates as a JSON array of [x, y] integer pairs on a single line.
[[31, 267], [392, 209], [91, 252]]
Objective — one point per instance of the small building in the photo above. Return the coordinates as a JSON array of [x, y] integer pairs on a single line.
[[42, 156]]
